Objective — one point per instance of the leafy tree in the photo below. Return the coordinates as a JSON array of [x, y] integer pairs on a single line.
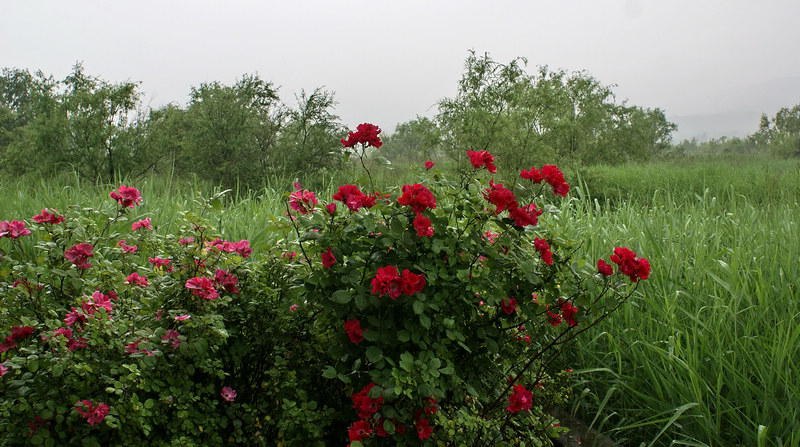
[[782, 134], [413, 141], [230, 130], [551, 115], [309, 140], [96, 113], [75, 122]]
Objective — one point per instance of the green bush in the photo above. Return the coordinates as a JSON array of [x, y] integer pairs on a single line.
[[432, 314]]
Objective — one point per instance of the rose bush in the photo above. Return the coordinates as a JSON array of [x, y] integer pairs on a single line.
[[176, 339], [448, 304], [433, 313]]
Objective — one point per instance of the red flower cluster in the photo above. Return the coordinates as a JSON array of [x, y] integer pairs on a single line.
[[359, 430], [526, 215], [17, 333], [76, 317], [568, 311], [225, 280], [604, 268], [93, 414], [520, 399], [172, 338], [135, 280], [79, 255], [503, 199], [479, 159], [126, 248], [351, 196], [424, 430], [635, 268], [302, 200], [328, 259], [366, 134], [72, 343], [423, 226], [126, 196], [144, 223], [161, 263], [551, 174], [508, 306], [13, 229], [418, 197], [365, 405], [202, 287], [354, 331], [387, 280], [242, 247], [500, 196], [543, 248], [97, 301], [47, 218]]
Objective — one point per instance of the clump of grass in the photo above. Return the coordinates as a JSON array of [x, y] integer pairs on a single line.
[[709, 354]]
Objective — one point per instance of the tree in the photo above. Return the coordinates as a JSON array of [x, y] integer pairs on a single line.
[[309, 141], [230, 131], [75, 122], [413, 141], [546, 116]]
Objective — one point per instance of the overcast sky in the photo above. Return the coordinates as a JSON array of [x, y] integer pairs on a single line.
[[713, 66]]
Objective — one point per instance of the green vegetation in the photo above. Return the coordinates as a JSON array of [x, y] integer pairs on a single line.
[[707, 356]]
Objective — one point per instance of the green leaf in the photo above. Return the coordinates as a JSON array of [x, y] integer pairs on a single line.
[[216, 204], [425, 321], [418, 306], [398, 225], [361, 302], [149, 403], [371, 335], [329, 373], [403, 335], [406, 361], [341, 296], [374, 354]]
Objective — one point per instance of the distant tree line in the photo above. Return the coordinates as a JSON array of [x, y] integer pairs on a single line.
[[779, 136], [226, 134], [243, 134]]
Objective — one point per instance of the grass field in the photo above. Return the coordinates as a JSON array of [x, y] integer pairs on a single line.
[[707, 355], [710, 354]]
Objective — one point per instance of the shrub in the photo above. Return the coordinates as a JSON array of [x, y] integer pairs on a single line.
[[432, 313]]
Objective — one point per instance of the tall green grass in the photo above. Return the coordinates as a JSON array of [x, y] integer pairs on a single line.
[[710, 354]]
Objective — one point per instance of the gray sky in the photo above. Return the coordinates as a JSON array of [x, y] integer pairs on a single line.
[[713, 65]]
